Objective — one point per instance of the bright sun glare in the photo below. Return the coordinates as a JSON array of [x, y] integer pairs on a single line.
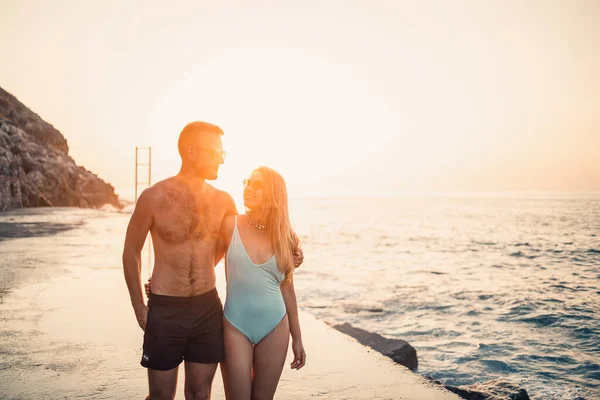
[[272, 119]]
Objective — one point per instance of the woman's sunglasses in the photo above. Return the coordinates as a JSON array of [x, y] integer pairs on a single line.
[[254, 185]]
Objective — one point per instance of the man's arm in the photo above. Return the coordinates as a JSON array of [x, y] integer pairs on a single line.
[[137, 230], [230, 209], [298, 257], [298, 254]]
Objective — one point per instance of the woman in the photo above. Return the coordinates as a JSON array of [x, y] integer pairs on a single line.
[[260, 309]]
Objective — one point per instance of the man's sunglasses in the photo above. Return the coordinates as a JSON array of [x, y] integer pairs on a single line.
[[215, 153], [254, 185]]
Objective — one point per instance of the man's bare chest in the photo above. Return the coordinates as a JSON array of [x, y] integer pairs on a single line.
[[183, 219]]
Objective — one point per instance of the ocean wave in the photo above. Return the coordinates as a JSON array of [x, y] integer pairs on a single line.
[[585, 332], [497, 366], [484, 243], [427, 272], [566, 360], [541, 320], [564, 287], [354, 308], [521, 254]]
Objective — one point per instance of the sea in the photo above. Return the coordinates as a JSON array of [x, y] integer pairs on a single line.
[[484, 286]]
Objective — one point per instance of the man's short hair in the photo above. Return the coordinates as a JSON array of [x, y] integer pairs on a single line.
[[193, 129]]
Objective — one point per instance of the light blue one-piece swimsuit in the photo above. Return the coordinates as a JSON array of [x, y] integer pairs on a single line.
[[254, 303]]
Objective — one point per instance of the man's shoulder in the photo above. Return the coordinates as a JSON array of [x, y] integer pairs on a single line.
[[221, 195], [154, 193], [155, 190], [230, 219], [166, 184]]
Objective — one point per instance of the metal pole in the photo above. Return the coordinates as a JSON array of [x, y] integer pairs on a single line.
[[136, 172], [150, 237], [149, 166]]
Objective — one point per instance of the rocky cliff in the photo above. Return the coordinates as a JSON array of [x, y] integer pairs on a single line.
[[35, 166]]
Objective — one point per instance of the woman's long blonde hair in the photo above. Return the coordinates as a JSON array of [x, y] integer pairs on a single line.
[[276, 217]]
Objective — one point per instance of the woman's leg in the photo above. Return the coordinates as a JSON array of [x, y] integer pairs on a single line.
[[269, 357], [237, 366]]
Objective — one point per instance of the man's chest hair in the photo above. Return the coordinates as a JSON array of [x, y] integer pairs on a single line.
[[181, 217]]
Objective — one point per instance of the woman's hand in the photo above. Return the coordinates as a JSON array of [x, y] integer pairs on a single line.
[[299, 354], [147, 287], [142, 317]]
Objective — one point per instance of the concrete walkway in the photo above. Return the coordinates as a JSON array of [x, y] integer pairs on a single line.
[[338, 367]]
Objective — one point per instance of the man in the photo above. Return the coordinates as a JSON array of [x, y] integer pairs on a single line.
[[184, 317]]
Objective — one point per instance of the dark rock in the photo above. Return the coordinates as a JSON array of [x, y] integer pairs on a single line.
[[467, 394], [497, 389], [36, 166], [398, 350]]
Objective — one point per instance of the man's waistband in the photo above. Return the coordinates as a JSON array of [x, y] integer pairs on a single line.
[[163, 300]]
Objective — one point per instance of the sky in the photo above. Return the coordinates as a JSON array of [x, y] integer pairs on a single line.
[[353, 98]]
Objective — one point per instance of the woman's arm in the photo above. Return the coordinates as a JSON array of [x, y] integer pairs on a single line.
[[291, 305]]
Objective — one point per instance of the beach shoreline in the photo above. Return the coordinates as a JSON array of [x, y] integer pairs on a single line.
[[68, 329]]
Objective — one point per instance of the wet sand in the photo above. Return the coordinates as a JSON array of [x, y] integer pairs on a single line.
[[68, 330]]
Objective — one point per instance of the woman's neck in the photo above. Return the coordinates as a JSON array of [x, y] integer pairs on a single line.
[[258, 219]]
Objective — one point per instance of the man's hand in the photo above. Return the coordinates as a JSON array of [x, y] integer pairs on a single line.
[[298, 257], [142, 317]]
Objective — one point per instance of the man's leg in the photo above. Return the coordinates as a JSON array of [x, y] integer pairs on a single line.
[[163, 384], [164, 343], [204, 348], [198, 380]]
